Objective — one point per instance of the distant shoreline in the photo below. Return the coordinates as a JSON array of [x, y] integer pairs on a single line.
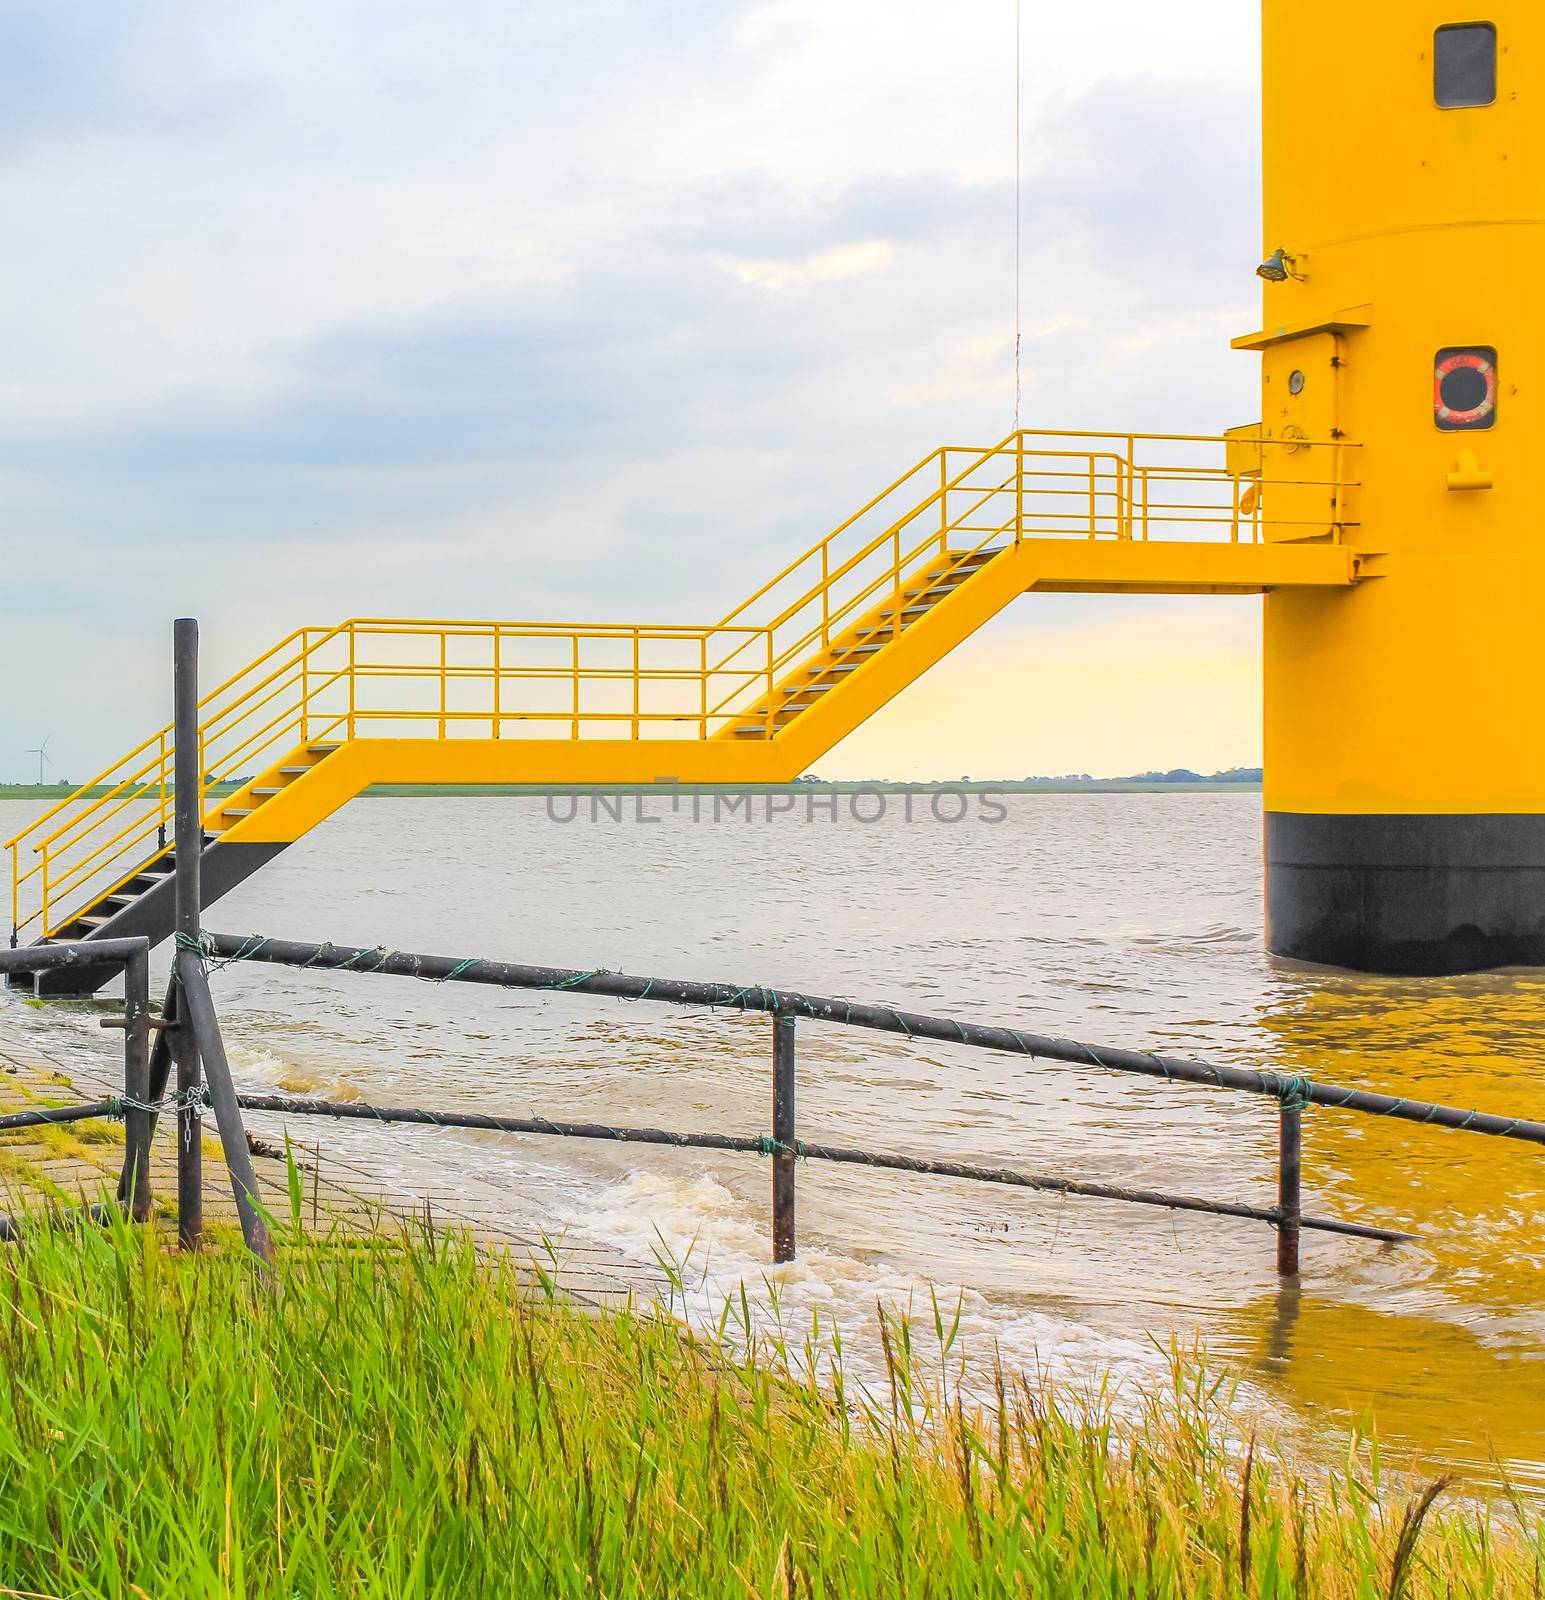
[[427, 791], [855, 786]]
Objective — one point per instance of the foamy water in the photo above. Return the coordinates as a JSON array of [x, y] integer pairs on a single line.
[[1120, 919]]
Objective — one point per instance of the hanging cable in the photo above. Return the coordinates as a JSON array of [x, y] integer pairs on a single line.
[[1018, 235]]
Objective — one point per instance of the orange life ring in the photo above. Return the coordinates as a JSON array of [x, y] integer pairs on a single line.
[[1456, 416]]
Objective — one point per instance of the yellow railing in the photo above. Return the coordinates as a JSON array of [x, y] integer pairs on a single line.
[[398, 678]]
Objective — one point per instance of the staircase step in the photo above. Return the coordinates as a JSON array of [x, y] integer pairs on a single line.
[[293, 772], [94, 921], [268, 791], [323, 749], [237, 811]]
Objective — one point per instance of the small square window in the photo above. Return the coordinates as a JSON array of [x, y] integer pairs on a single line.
[[1464, 65]]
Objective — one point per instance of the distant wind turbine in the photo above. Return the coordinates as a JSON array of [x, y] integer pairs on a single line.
[[42, 754]]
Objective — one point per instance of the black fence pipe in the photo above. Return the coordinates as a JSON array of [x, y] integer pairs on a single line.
[[134, 956], [188, 840], [157, 1078], [883, 1019], [199, 1008], [46, 1116], [1290, 1204], [845, 1155], [783, 1133], [76, 953], [136, 1083]]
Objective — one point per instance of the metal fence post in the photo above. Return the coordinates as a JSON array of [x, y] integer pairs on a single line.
[[136, 1082], [189, 837], [1290, 1205], [198, 1010], [783, 1132]]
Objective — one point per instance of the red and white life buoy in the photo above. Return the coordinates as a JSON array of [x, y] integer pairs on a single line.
[[1465, 389]]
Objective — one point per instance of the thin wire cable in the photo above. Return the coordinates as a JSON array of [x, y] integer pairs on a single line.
[[1018, 229]]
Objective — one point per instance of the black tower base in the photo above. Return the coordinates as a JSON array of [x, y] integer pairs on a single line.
[[1420, 895]]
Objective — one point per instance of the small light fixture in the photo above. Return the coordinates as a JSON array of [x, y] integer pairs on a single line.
[[1279, 266]]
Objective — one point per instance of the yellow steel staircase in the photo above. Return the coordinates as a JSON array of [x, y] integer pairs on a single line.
[[755, 697]]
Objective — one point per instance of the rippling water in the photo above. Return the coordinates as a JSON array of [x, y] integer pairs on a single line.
[[1122, 919]]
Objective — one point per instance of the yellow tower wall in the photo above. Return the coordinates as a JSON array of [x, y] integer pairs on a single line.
[[1404, 740]]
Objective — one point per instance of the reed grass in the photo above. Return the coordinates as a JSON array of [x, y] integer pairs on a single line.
[[400, 1417]]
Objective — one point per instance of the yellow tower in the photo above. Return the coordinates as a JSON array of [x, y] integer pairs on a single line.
[[1405, 224]]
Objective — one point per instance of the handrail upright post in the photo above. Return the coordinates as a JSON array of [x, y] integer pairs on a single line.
[[1290, 1206], [498, 720], [1130, 478], [189, 843], [1019, 487], [637, 677], [352, 665], [1338, 489], [305, 687], [785, 1147], [944, 502], [702, 721], [575, 642], [826, 597], [443, 681], [897, 604], [769, 681], [15, 893]]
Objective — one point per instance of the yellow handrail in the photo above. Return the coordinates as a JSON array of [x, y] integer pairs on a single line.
[[371, 672]]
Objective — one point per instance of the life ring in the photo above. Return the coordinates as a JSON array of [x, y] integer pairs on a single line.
[[1457, 401]]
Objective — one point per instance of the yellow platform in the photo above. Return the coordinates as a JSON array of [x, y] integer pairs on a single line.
[[754, 698]]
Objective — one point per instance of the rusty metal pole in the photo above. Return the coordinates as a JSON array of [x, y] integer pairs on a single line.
[[783, 1132], [198, 1011], [160, 1070], [189, 844], [1290, 1200], [136, 1082]]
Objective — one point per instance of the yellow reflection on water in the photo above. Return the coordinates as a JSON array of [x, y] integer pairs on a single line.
[[1442, 1342]]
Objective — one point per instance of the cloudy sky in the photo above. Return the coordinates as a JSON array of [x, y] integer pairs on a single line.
[[555, 308]]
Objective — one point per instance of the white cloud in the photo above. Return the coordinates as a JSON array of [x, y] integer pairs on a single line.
[[386, 306], [825, 266]]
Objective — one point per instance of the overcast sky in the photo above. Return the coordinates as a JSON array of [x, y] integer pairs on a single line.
[[605, 307]]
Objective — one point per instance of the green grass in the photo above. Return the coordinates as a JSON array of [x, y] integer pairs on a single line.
[[399, 1418]]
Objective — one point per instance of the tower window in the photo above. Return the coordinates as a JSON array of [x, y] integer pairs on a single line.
[[1464, 395], [1464, 65]]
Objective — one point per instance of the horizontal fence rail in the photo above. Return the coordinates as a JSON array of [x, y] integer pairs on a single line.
[[883, 1019], [355, 1110], [1292, 1092], [146, 1079], [133, 955]]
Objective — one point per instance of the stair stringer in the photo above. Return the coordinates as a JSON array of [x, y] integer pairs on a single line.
[[1053, 565], [153, 915], [923, 644]]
